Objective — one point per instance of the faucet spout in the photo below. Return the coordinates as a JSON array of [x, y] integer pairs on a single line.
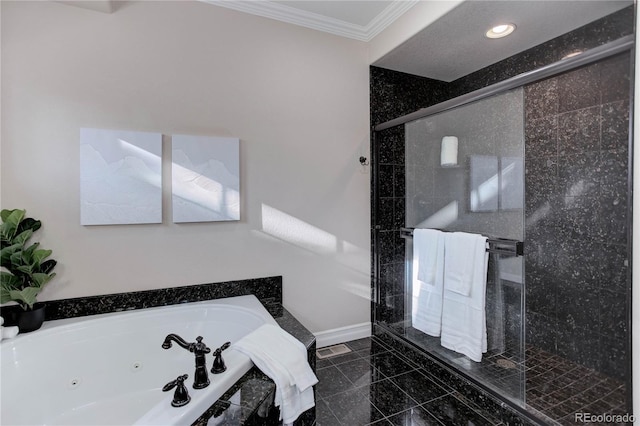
[[201, 377], [179, 340]]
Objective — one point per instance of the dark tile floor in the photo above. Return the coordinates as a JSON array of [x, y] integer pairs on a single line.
[[374, 384], [560, 388]]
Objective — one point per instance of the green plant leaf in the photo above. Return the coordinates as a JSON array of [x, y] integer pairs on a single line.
[[26, 296], [9, 281], [25, 269], [47, 266], [4, 214], [28, 271], [40, 255], [6, 253], [28, 223], [10, 225], [40, 279], [22, 237]]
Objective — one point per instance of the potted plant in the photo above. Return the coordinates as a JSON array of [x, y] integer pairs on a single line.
[[25, 268]]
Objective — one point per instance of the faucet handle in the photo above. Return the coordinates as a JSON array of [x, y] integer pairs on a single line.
[[199, 347], [181, 395], [218, 363]]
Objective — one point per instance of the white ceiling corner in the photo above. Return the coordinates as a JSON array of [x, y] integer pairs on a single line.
[[104, 6], [305, 18]]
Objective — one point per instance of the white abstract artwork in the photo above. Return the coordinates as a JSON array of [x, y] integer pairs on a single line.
[[120, 177], [205, 177]]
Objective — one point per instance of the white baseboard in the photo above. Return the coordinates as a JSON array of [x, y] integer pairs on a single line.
[[342, 334]]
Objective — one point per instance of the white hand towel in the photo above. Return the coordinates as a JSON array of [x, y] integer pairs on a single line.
[[427, 280], [426, 245], [462, 251], [284, 359], [464, 323]]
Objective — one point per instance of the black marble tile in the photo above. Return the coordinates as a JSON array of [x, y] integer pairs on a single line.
[[579, 131], [613, 171], [615, 78], [541, 294], [389, 398], [416, 416], [451, 411], [399, 212], [348, 357], [360, 372], [331, 381], [579, 89], [614, 359], [614, 267], [577, 306], [390, 364], [541, 99], [541, 136], [324, 415], [419, 387], [385, 181], [385, 216], [613, 313], [579, 344], [398, 181], [391, 146], [391, 247], [268, 290], [615, 125], [354, 408], [541, 181], [579, 174]]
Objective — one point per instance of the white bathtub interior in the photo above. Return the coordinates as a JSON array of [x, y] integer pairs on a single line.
[[109, 369]]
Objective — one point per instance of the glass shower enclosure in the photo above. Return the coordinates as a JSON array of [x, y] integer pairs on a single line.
[[464, 171]]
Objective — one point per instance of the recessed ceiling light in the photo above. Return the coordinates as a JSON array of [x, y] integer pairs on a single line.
[[501, 30]]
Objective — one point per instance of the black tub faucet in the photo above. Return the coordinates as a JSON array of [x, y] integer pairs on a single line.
[[218, 362], [181, 395], [201, 376]]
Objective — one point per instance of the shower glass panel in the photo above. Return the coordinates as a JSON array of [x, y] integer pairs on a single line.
[[483, 194]]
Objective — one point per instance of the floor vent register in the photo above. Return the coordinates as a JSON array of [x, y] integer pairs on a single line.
[[331, 351]]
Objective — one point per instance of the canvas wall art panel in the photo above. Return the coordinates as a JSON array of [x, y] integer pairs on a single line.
[[205, 178], [120, 177]]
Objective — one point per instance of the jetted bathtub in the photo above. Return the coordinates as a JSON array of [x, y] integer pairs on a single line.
[[109, 369]]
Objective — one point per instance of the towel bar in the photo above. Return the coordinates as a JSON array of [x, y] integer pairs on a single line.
[[496, 245]]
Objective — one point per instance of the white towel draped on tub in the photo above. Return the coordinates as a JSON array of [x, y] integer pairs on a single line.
[[427, 282], [464, 324], [283, 358]]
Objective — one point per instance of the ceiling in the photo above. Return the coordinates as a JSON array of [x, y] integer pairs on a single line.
[[357, 19], [455, 45], [449, 48]]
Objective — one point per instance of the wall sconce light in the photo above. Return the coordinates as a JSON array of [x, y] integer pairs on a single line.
[[449, 151]]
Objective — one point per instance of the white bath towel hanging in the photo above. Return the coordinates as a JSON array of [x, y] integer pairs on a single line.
[[427, 280], [284, 359], [464, 323]]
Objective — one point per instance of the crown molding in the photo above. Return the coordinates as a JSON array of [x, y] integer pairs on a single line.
[[319, 22]]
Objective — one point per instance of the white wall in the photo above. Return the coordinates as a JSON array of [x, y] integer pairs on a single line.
[[409, 24], [296, 98]]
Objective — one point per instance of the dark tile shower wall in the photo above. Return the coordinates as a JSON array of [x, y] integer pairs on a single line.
[[576, 214], [599, 236], [393, 94]]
